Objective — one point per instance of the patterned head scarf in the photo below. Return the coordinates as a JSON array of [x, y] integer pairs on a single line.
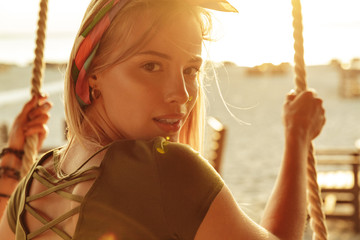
[[88, 41]]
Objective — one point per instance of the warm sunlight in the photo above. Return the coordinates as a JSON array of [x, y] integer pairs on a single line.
[[261, 32], [244, 108]]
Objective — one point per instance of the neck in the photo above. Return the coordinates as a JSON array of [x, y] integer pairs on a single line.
[[77, 153], [98, 128]]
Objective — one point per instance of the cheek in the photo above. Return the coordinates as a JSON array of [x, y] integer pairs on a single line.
[[115, 96], [127, 95], [193, 89]]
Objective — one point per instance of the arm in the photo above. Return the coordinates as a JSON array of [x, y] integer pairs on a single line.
[[5, 230], [225, 220], [285, 213], [31, 120]]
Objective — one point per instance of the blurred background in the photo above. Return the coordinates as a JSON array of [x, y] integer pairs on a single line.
[[250, 70]]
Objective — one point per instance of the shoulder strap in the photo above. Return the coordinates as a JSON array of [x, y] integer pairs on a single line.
[[76, 172]]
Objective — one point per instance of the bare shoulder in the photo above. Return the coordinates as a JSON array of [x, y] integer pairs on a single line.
[[225, 220], [53, 205]]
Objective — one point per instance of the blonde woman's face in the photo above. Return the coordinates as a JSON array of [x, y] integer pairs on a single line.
[[152, 93]]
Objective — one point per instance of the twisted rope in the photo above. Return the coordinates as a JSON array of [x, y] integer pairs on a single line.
[[317, 216], [31, 142]]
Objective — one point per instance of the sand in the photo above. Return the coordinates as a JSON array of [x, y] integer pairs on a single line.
[[253, 152]]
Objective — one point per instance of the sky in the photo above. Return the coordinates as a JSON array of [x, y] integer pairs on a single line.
[[261, 31]]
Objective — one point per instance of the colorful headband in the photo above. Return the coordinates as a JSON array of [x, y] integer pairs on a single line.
[[88, 41]]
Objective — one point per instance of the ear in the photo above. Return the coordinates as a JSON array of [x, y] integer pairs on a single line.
[[93, 81]]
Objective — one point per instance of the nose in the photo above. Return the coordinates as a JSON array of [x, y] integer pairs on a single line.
[[176, 90]]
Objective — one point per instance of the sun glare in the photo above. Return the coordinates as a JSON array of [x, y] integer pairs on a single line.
[[262, 32]]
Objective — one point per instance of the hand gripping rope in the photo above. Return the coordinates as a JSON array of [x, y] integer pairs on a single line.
[[31, 142], [317, 216]]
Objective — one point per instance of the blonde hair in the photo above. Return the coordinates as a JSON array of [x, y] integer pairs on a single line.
[[162, 11]]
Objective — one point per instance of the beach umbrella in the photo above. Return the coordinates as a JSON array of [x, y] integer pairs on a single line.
[[315, 202], [313, 191]]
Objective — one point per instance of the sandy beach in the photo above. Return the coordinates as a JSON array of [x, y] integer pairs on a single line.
[[253, 150]]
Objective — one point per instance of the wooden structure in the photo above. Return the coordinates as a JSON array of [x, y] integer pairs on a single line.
[[338, 177], [349, 85], [218, 135]]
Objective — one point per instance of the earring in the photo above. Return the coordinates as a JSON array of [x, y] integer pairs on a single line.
[[190, 98], [95, 93]]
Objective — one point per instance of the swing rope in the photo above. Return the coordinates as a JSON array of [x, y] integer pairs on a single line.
[[317, 216], [31, 142]]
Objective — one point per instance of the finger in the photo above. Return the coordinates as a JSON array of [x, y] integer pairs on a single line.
[[291, 95], [43, 109], [42, 136], [292, 92], [310, 93], [306, 94], [29, 105], [304, 98], [40, 129], [318, 102], [35, 99], [315, 94], [41, 119], [42, 98]]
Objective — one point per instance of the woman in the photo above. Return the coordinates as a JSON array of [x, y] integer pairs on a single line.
[[134, 107]]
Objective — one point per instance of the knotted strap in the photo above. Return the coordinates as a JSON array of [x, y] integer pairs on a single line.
[[57, 186]]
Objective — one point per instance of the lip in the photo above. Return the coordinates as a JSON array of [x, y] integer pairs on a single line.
[[169, 127]]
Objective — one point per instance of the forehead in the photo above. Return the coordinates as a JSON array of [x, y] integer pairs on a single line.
[[181, 32]]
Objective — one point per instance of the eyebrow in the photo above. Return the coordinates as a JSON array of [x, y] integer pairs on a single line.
[[165, 56]]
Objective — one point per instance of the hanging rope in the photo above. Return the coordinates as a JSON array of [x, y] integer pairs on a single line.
[[31, 142], [317, 216]]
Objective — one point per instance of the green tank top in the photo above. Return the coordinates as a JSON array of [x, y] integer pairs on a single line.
[[142, 190]]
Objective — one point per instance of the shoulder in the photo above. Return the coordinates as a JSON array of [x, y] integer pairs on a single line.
[[225, 220], [167, 156], [181, 159], [172, 178], [189, 186], [176, 168], [156, 148], [159, 152]]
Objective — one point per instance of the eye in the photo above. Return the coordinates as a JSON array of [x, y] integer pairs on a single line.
[[152, 67], [191, 71]]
